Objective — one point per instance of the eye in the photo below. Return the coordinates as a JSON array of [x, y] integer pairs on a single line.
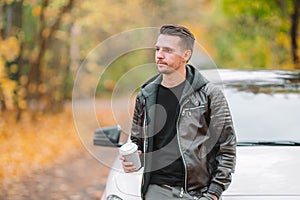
[[164, 49], [168, 50]]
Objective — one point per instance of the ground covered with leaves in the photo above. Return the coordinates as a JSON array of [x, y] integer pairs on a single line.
[[44, 159], [31, 145]]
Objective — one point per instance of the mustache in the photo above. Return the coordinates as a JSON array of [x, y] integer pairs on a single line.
[[161, 62]]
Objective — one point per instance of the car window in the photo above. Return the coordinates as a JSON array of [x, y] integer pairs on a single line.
[[265, 105], [265, 117]]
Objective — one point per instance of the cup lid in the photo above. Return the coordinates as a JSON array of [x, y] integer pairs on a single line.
[[128, 148]]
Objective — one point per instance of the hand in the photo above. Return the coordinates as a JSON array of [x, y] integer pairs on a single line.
[[128, 166], [214, 197], [208, 196]]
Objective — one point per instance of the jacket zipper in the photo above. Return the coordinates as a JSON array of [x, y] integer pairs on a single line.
[[190, 109], [180, 149], [144, 127]]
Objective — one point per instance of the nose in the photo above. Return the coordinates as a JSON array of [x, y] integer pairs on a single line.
[[159, 54]]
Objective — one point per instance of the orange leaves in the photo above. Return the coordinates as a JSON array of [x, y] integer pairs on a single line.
[[36, 11], [31, 145], [28, 145]]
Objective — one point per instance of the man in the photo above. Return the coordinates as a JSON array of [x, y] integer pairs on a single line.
[[182, 126]]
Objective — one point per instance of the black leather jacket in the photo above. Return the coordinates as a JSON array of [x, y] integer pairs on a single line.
[[205, 133]]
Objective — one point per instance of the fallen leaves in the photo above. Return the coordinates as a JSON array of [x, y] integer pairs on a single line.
[[30, 145]]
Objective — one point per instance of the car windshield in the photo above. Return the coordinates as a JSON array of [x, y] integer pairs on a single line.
[[265, 105]]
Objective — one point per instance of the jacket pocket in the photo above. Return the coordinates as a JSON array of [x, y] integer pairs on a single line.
[[188, 111]]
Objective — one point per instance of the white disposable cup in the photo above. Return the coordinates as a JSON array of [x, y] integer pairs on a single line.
[[130, 153]]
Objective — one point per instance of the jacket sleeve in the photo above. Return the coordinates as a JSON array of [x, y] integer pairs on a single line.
[[137, 129], [222, 131]]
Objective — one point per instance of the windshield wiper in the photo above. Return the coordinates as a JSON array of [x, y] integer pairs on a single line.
[[269, 143]]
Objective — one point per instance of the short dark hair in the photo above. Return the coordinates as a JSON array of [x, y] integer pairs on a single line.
[[185, 34]]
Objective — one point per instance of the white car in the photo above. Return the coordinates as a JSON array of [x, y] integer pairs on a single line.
[[265, 107]]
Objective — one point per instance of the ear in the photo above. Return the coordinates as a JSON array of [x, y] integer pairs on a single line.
[[187, 55]]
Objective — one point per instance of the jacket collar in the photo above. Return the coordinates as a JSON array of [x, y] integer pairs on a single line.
[[194, 79]]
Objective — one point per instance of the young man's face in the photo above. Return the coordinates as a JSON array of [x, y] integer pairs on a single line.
[[169, 55]]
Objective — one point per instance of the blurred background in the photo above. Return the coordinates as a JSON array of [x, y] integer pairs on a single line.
[[44, 42]]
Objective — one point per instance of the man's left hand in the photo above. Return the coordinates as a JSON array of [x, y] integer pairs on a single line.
[[209, 196]]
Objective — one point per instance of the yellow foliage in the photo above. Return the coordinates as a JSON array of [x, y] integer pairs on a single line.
[[46, 32], [286, 66], [283, 39], [2, 69], [13, 68], [10, 49], [62, 35], [50, 13], [9, 1], [42, 88], [36, 11], [7, 86], [22, 104], [21, 91], [23, 80]]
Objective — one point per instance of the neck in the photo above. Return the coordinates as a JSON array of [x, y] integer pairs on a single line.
[[175, 78]]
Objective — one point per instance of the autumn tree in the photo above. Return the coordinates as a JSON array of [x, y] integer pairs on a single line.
[[30, 30], [258, 34], [42, 40], [49, 17], [10, 51]]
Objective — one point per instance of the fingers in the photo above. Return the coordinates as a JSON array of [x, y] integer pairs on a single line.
[[128, 166], [139, 152], [122, 158]]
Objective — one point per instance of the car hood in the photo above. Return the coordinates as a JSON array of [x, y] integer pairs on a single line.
[[266, 171], [262, 172]]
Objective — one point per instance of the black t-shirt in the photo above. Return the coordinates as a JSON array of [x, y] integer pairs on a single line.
[[167, 163]]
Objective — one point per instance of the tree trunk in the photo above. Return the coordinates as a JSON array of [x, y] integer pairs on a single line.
[[35, 73], [294, 33]]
